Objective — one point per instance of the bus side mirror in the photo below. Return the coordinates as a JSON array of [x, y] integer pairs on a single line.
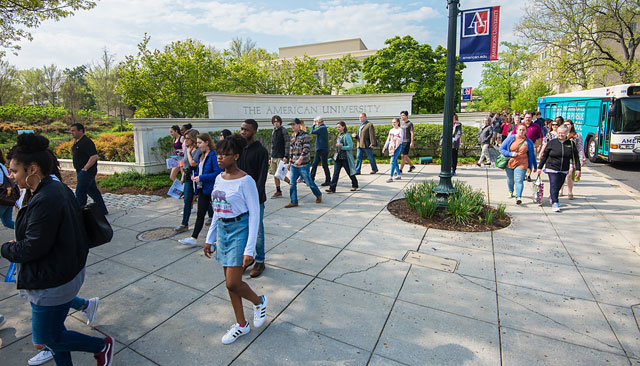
[[612, 109]]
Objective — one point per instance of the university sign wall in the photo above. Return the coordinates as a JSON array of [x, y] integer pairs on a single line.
[[226, 106]]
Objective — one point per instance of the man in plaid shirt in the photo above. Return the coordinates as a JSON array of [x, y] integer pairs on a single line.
[[299, 154]]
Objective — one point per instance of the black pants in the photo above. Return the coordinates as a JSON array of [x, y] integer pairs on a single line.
[[321, 156], [204, 205], [338, 164], [556, 181], [454, 159]]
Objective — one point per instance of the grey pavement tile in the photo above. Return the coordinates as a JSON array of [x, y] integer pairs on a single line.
[[625, 326], [193, 336], [327, 234], [155, 255], [519, 348], [352, 218], [17, 313], [167, 204], [481, 240], [7, 289], [106, 277], [338, 310], [387, 223], [301, 256], [131, 312], [129, 357], [279, 285], [195, 270], [393, 246], [550, 250], [286, 227], [123, 240], [307, 212], [555, 316], [379, 275], [462, 295], [298, 346], [418, 336], [541, 275], [271, 241], [471, 262], [93, 259], [169, 220], [605, 259], [131, 217], [605, 238], [613, 288], [381, 361]]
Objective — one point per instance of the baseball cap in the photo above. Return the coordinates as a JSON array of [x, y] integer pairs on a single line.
[[295, 121]]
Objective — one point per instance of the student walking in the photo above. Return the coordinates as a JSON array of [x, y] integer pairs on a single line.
[[204, 178], [189, 164], [321, 150], [299, 163], [484, 139], [51, 248], [576, 139], [519, 148], [395, 145], [455, 144], [407, 141], [178, 147], [556, 159], [85, 162], [6, 211], [366, 137], [279, 151], [343, 159], [233, 232]]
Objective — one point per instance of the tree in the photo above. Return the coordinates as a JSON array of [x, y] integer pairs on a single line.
[[240, 47], [339, 71], [170, 82], [249, 73], [101, 79], [586, 37], [75, 91], [16, 15], [404, 65], [528, 98], [9, 83], [52, 81], [502, 80], [297, 76], [32, 81]]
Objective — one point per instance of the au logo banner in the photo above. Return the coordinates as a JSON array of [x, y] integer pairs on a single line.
[[479, 34], [467, 94]]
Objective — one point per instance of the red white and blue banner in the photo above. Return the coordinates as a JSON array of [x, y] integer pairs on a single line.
[[479, 34], [467, 94]]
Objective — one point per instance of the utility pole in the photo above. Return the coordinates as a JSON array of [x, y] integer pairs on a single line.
[[445, 188]]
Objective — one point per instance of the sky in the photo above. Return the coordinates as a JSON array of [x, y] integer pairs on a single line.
[[119, 25]]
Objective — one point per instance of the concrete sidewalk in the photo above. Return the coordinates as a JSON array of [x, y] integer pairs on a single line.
[[551, 289]]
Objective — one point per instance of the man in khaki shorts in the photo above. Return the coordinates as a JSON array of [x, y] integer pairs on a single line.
[[279, 151]]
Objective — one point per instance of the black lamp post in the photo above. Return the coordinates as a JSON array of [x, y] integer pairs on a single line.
[[445, 188]]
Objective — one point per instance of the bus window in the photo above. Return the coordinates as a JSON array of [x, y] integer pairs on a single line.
[[627, 116]]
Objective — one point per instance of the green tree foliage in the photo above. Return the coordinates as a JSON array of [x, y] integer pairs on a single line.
[[299, 76], [502, 80], [340, 71], [32, 81], [10, 88], [170, 82], [404, 65], [16, 16], [586, 38], [52, 81], [528, 97], [75, 92], [102, 79]]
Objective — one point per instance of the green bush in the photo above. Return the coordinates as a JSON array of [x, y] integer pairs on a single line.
[[135, 179], [31, 114]]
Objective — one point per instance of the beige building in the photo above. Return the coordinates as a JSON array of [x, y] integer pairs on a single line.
[[329, 50]]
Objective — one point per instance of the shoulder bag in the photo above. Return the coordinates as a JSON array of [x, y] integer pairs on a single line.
[[501, 161], [97, 226], [9, 192], [574, 177]]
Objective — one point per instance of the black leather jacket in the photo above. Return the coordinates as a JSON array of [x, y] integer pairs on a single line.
[[557, 155], [51, 242]]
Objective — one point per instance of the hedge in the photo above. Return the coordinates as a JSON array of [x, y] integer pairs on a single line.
[[31, 114], [110, 146]]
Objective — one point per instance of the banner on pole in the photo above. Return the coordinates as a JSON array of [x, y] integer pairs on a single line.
[[479, 34], [467, 94]]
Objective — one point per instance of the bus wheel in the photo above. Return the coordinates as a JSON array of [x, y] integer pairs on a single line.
[[592, 150]]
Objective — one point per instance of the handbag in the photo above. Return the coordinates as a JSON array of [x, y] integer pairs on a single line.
[[574, 177], [96, 225], [9, 192], [336, 155], [501, 161], [282, 170]]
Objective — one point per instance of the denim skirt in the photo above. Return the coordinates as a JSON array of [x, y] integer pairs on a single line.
[[232, 239]]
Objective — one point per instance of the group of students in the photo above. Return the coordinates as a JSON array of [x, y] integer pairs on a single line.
[[552, 146]]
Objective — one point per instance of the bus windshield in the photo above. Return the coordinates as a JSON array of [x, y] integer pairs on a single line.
[[628, 120]]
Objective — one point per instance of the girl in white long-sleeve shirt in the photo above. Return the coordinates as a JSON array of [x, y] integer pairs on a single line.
[[234, 229], [394, 143]]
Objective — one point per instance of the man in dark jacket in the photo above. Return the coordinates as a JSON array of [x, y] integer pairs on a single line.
[[255, 162], [321, 150], [484, 139], [85, 162], [366, 142], [279, 151]]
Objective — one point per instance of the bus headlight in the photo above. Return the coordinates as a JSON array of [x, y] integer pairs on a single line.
[[626, 146]]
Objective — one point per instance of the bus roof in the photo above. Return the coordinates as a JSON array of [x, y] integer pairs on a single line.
[[618, 91]]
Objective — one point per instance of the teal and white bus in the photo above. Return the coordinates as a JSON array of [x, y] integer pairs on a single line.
[[607, 118]]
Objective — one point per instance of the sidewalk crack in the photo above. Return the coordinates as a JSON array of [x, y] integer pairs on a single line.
[[362, 270]]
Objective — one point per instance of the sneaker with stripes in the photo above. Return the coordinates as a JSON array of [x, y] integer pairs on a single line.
[[260, 312], [235, 332]]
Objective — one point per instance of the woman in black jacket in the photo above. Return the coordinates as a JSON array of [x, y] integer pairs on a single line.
[[51, 250], [556, 159]]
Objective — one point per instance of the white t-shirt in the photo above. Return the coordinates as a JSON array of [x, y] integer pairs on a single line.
[[231, 198], [394, 133]]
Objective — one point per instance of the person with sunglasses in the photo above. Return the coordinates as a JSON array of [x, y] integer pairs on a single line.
[[555, 160], [575, 138]]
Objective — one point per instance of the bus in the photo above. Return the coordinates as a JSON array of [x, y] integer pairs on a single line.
[[607, 118]]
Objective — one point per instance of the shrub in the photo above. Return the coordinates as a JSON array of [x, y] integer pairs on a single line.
[[31, 114], [110, 147], [135, 179]]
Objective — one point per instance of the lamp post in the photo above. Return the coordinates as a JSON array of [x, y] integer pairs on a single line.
[[445, 188]]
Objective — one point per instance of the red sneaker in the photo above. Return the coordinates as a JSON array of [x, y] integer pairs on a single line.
[[105, 357]]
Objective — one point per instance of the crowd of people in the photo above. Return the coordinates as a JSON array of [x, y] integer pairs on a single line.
[[228, 178]]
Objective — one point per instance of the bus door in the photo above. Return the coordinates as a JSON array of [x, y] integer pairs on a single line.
[[604, 130]]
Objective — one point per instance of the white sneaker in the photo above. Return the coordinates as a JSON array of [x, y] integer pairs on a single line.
[[89, 314], [235, 332], [41, 358], [193, 210], [260, 312], [398, 177], [188, 241], [389, 180]]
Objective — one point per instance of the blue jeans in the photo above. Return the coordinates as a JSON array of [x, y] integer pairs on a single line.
[[260, 240], [87, 185], [556, 181], [6, 215], [394, 161], [47, 323], [516, 176], [301, 172], [370, 156], [187, 196]]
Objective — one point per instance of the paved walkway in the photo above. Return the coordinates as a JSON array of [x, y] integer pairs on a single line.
[[551, 289]]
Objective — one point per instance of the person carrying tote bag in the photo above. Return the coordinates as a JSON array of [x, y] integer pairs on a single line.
[[522, 157]]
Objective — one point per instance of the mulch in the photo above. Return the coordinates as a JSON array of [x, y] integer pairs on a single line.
[[69, 178], [401, 210]]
